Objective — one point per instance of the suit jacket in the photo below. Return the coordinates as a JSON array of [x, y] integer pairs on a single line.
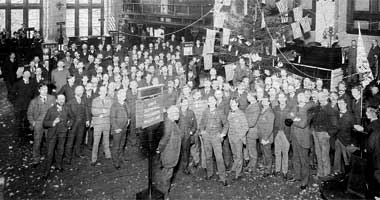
[[252, 113], [265, 125], [238, 124], [8, 70], [101, 111], [79, 111], [187, 122], [68, 91], [119, 116], [22, 94], [60, 127], [300, 130], [37, 109], [170, 144]]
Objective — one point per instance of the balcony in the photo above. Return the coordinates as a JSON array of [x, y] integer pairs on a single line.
[[168, 14]]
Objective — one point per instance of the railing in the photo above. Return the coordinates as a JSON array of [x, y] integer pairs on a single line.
[[179, 10]]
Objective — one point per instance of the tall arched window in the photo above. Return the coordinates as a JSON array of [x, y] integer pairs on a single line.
[[14, 13]]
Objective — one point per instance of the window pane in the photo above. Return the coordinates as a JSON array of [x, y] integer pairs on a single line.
[[2, 1], [16, 19], [83, 22], [362, 5], [34, 18], [34, 1], [2, 19], [70, 1], [83, 1], [17, 1], [70, 22], [364, 25], [96, 1], [95, 21]]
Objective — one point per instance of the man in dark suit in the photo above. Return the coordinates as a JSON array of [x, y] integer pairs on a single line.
[[373, 56], [22, 93], [8, 71], [57, 121], [81, 118]]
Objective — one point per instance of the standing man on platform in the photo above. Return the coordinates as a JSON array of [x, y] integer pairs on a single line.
[[351, 68], [169, 148]]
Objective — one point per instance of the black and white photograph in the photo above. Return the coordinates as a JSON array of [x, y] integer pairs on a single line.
[[190, 99]]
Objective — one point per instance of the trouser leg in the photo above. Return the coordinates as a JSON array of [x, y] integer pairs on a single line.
[[208, 152], [252, 150], [277, 152], [338, 157], [60, 149], [267, 151], [167, 174], [106, 143], [285, 155], [194, 150], [217, 147], [318, 152], [296, 159], [79, 139], [90, 136], [226, 152], [116, 148], [51, 141], [37, 139], [95, 147], [185, 151], [237, 152], [305, 171], [325, 150], [69, 144]]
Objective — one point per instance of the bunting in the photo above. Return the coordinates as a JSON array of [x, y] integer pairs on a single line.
[[297, 13], [226, 36], [274, 47], [305, 23], [229, 71], [362, 64], [282, 6], [263, 24], [297, 32], [210, 41], [219, 18], [207, 61]]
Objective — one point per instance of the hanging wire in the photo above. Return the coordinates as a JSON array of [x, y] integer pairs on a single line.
[[174, 32]]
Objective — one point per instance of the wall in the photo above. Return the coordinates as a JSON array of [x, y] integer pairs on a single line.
[[341, 23]]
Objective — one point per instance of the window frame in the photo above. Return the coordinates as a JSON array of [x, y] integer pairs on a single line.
[[25, 6], [90, 5], [372, 16]]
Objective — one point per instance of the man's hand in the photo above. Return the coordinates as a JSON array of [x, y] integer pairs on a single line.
[[203, 132], [87, 123], [359, 128], [191, 132], [56, 121], [118, 130], [34, 124], [158, 151], [297, 119]]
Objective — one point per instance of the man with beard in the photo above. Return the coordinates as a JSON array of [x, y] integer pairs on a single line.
[[57, 121]]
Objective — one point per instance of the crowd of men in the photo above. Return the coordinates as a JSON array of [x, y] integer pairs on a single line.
[[89, 94]]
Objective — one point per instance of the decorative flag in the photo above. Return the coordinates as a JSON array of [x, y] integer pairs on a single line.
[[255, 14], [362, 64], [229, 70], [274, 47], [210, 41], [159, 33], [245, 11], [282, 6], [219, 18], [297, 32], [305, 23], [263, 24], [297, 12], [207, 61], [226, 36], [218, 5]]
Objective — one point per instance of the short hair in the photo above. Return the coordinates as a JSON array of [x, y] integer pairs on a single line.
[[42, 85]]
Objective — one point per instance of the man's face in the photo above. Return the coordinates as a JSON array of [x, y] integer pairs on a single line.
[[79, 91], [282, 99], [71, 80], [211, 102], [26, 75], [184, 104], [43, 91], [234, 105], [61, 99], [342, 105], [173, 114], [265, 102]]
